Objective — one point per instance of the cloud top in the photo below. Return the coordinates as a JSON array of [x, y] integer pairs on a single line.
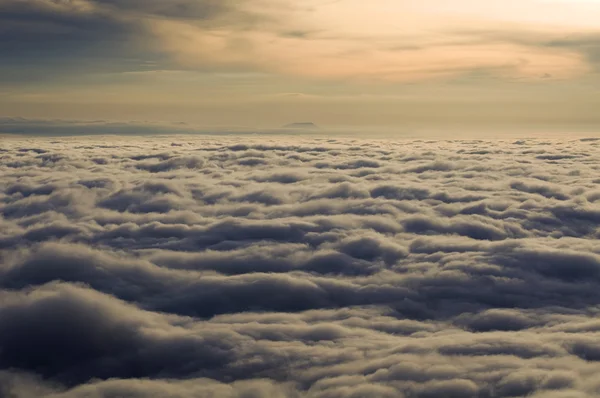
[[201, 266]]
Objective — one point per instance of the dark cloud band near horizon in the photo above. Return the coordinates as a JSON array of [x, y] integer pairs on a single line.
[[257, 267]]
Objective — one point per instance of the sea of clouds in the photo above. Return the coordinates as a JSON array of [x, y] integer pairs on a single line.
[[259, 267]]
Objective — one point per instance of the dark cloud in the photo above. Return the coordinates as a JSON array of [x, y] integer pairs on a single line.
[[321, 268], [41, 38], [198, 9]]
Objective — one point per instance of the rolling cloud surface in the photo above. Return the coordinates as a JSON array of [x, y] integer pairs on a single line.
[[185, 266]]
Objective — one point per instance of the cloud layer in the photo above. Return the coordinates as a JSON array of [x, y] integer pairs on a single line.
[[187, 266]]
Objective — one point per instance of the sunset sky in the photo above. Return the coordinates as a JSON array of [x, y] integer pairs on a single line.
[[299, 198], [335, 63]]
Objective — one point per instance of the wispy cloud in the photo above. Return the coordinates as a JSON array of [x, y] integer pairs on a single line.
[[319, 40]]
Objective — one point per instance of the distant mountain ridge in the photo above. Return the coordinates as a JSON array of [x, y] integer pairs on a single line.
[[301, 125]]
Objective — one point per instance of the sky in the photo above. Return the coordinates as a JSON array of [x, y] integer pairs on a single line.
[[265, 63]]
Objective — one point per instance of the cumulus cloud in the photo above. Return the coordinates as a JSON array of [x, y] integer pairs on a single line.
[[242, 266]]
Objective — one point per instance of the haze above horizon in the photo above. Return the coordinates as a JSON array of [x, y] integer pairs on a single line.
[[427, 64]]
